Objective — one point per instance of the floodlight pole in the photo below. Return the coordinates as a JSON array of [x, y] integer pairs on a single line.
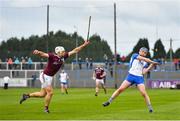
[[171, 54], [76, 38], [115, 51], [47, 43]]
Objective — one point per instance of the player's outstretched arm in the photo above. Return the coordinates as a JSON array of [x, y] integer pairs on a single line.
[[40, 53], [147, 60], [145, 70], [77, 49]]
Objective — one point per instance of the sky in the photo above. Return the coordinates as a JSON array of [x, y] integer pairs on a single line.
[[151, 19]]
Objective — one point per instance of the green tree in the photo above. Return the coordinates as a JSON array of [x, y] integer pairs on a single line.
[[177, 53], [24, 47], [168, 54], [159, 50], [143, 42]]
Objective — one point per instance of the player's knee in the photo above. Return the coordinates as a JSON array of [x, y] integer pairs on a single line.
[[50, 93], [120, 90], [143, 94]]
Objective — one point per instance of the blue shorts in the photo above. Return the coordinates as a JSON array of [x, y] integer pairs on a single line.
[[135, 79], [64, 83]]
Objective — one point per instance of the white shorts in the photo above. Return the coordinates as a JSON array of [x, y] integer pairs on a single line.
[[45, 80], [101, 81]]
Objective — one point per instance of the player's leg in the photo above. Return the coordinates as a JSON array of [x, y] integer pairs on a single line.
[[47, 82], [97, 87], [42, 93], [66, 87], [103, 86], [143, 92], [44, 83], [123, 86], [62, 88], [49, 94], [39, 94]]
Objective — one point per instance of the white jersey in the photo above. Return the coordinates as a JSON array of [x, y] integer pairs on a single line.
[[6, 79], [64, 77], [136, 66]]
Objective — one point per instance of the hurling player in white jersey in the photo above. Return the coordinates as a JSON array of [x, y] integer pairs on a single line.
[[63, 78], [138, 67]]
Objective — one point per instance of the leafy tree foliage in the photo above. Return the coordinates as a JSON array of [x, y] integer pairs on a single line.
[[168, 54], [177, 53], [143, 42], [15, 47], [159, 50]]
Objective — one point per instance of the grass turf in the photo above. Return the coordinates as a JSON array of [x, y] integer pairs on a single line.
[[81, 104]]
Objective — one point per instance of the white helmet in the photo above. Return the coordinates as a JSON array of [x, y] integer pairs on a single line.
[[59, 49]]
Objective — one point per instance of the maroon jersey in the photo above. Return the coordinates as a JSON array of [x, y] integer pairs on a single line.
[[54, 64], [99, 72]]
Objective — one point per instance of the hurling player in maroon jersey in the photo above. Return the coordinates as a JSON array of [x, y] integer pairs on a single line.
[[55, 62], [99, 75]]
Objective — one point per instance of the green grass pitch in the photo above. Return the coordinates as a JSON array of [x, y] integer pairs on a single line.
[[81, 104]]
